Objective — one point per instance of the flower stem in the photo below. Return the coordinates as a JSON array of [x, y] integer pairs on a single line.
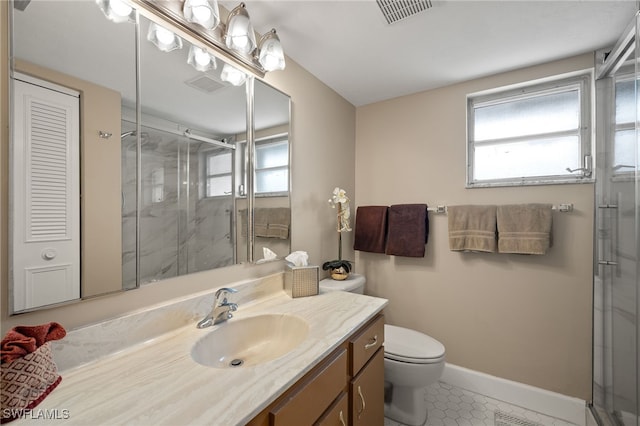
[[339, 231]]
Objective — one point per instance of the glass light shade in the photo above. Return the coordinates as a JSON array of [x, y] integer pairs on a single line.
[[164, 39], [271, 55], [232, 75], [202, 12], [116, 10], [200, 59], [240, 35]]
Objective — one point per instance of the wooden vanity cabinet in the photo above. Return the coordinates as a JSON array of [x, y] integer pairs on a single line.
[[366, 388], [346, 388]]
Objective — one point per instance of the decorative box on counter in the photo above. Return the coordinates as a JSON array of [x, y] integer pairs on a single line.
[[301, 281]]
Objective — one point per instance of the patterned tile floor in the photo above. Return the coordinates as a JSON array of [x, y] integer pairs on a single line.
[[452, 406]]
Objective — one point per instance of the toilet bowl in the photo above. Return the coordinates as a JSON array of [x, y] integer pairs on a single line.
[[412, 361]]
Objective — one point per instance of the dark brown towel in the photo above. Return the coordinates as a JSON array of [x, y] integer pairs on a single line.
[[408, 230], [370, 229]]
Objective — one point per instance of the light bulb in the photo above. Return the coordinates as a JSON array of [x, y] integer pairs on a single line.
[[202, 57], [270, 62], [120, 8], [165, 36], [241, 42], [232, 75], [201, 13]]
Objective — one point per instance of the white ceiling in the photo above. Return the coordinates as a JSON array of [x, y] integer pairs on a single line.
[[349, 46]]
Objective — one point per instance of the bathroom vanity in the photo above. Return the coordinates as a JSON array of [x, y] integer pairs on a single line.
[[347, 387], [335, 372]]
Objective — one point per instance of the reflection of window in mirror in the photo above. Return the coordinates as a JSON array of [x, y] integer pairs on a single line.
[[218, 173], [272, 166], [157, 185], [625, 118]]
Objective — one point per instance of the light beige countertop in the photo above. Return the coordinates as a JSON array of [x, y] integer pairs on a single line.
[[158, 383]]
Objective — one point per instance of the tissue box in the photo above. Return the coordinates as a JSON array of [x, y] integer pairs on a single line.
[[301, 281]]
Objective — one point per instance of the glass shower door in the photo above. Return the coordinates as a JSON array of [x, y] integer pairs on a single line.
[[616, 289]]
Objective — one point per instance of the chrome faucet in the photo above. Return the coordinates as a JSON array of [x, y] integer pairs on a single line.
[[221, 310]]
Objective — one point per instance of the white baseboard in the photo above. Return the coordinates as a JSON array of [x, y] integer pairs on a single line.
[[540, 400]]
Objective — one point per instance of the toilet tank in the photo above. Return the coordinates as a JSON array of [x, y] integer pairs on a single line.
[[353, 284]]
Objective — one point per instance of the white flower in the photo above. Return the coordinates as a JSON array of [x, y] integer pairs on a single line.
[[340, 197]]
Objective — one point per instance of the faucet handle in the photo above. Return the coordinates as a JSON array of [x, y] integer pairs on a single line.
[[224, 292]]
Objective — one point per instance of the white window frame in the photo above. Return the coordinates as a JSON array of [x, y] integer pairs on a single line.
[[271, 140], [583, 81], [621, 172], [208, 175]]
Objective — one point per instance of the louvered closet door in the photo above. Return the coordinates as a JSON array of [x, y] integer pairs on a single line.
[[45, 197]]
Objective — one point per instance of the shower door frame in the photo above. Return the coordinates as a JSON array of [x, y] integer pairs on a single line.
[[614, 390]]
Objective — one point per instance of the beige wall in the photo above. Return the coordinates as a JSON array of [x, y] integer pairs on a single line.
[[523, 318], [322, 143]]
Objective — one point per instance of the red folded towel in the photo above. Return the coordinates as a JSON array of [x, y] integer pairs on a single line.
[[23, 340], [371, 229], [408, 230]]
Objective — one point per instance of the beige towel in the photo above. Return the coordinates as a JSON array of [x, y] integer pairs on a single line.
[[261, 222], [524, 228], [472, 228], [279, 219], [268, 222]]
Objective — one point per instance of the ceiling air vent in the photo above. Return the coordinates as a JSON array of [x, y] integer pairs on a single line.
[[204, 83], [397, 10]]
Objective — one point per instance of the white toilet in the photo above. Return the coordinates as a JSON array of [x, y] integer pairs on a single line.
[[412, 361]]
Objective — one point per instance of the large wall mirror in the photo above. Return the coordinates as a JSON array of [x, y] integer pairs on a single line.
[[129, 161]]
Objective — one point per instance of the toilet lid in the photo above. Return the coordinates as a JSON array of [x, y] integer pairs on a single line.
[[353, 282], [403, 344]]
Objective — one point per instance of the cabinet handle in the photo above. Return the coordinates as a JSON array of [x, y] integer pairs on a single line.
[[342, 419], [372, 342], [363, 403]]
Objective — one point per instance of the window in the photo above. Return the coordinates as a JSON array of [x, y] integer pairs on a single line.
[[530, 135], [624, 143], [218, 178], [157, 184], [272, 166]]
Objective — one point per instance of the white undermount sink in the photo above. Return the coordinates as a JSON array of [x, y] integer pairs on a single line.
[[249, 341]]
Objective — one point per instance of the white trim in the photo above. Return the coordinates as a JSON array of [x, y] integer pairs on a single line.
[[540, 400], [45, 84]]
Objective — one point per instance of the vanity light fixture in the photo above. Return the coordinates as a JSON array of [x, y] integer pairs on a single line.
[[116, 10], [232, 75], [234, 40], [270, 53], [164, 39], [202, 12], [239, 35], [200, 59]]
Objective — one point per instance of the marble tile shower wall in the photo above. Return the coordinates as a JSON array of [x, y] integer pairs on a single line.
[[180, 231]]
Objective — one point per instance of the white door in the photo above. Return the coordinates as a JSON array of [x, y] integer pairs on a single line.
[[45, 195]]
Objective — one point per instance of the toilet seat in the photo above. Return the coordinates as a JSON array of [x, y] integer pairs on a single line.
[[411, 346]]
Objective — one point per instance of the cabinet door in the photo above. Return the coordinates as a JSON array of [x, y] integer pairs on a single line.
[[367, 393], [313, 397], [337, 414], [365, 343]]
